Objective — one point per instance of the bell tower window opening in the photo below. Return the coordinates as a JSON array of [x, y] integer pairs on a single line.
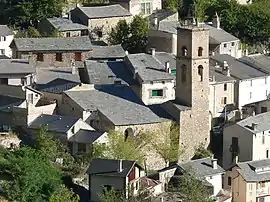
[[200, 72], [184, 51], [200, 51], [183, 73]]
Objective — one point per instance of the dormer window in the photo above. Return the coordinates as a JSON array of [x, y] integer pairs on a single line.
[[200, 51], [184, 51]]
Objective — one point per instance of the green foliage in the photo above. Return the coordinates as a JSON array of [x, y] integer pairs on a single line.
[[33, 176], [201, 152], [110, 196], [31, 32], [173, 5], [133, 36], [64, 194]]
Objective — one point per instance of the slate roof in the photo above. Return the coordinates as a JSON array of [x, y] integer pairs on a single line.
[[109, 167], [248, 170], [54, 123], [239, 70], [82, 43], [161, 14], [7, 101], [56, 80], [148, 67], [259, 61], [108, 72], [86, 136], [64, 24], [164, 57], [5, 31], [201, 167], [217, 36], [107, 11], [108, 52], [16, 66], [115, 102], [262, 121], [168, 26], [219, 76]]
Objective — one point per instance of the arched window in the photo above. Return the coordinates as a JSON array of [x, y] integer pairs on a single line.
[[184, 51], [128, 133], [200, 50], [200, 72], [183, 73]]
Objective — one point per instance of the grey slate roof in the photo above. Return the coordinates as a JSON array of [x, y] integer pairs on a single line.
[[108, 52], [248, 170], [107, 11], [161, 14], [201, 167], [148, 67], [82, 43], [56, 80], [109, 167], [86, 136], [16, 66], [219, 76], [218, 36], [63, 24], [5, 31], [258, 61], [115, 102], [7, 101], [164, 57], [239, 70], [261, 119], [54, 123], [107, 72], [168, 26]]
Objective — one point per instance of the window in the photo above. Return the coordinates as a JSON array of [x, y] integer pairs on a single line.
[[250, 187], [210, 177], [4, 81], [78, 56], [184, 51], [266, 93], [263, 139], [183, 73], [225, 87], [224, 100], [250, 95], [59, 57], [70, 147], [99, 33], [262, 184], [2, 51], [200, 72], [233, 43], [40, 57], [225, 45], [117, 82], [146, 8], [229, 181], [263, 109], [250, 82], [265, 80], [107, 188], [2, 38], [200, 50], [81, 148], [267, 153], [173, 72], [68, 34], [157, 93]]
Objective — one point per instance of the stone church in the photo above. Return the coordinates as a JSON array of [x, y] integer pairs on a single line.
[[191, 106]]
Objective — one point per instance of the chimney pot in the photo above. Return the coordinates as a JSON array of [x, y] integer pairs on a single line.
[[214, 163], [254, 126], [153, 51], [155, 21], [235, 160], [120, 165], [167, 67]]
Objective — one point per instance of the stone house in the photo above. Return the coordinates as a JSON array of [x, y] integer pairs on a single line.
[[154, 75], [100, 19], [74, 131], [53, 52], [249, 181], [137, 7], [17, 72], [63, 26], [6, 37], [125, 176]]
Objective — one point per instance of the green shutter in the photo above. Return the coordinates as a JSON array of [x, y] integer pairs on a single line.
[[154, 93], [174, 72]]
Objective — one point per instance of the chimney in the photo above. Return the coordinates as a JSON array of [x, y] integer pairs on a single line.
[[153, 51], [69, 15], [135, 74], [254, 126], [214, 163], [120, 169], [216, 21], [213, 79], [213, 53], [126, 52], [167, 67], [235, 160], [161, 199], [155, 21], [228, 71]]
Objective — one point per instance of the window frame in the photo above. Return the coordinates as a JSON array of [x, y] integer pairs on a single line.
[[78, 56], [225, 86], [200, 51], [79, 148], [157, 93], [59, 57], [40, 57]]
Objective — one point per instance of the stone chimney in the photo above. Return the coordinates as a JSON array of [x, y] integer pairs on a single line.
[[167, 67], [120, 168], [254, 126], [214, 163], [216, 21], [153, 51]]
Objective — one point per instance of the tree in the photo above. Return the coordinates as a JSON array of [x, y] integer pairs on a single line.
[[64, 194], [30, 32], [118, 147], [201, 152], [110, 196], [165, 141], [133, 36], [32, 175]]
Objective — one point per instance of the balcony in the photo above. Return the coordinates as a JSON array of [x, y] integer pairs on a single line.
[[262, 191]]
